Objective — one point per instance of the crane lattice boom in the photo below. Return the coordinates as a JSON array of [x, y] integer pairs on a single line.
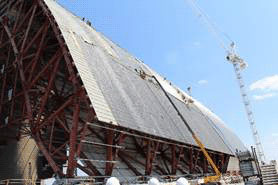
[[238, 65]]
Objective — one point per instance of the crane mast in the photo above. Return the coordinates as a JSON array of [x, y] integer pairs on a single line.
[[239, 64]]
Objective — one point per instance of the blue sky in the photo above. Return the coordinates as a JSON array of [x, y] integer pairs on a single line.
[[168, 36]]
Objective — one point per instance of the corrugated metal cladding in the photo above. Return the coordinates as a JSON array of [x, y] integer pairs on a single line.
[[120, 96]]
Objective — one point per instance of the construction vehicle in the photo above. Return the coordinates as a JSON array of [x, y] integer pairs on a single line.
[[208, 179], [238, 64]]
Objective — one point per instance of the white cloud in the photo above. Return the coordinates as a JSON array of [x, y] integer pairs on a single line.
[[264, 96], [269, 83], [196, 44], [202, 82]]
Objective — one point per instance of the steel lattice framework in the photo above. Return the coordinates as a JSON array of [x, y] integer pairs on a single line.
[[43, 97]]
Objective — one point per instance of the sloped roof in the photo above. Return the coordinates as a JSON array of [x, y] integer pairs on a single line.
[[121, 97]]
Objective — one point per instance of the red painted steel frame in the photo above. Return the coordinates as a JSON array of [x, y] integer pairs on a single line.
[[43, 97]]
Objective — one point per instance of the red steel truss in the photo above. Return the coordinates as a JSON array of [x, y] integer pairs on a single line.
[[43, 97]]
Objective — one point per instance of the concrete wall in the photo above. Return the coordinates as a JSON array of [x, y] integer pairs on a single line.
[[233, 165], [18, 159]]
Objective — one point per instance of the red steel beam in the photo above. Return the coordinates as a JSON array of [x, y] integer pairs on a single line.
[[55, 113], [57, 56], [195, 164], [148, 162], [148, 158], [56, 150], [48, 89], [39, 34], [69, 62], [38, 53], [109, 152], [178, 168], [180, 155], [154, 153], [73, 139], [75, 149], [83, 132], [90, 115], [174, 160], [21, 72], [25, 18], [28, 27], [222, 162], [46, 154], [122, 154], [63, 125]]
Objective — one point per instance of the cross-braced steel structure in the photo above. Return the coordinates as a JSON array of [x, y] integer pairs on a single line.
[[88, 106]]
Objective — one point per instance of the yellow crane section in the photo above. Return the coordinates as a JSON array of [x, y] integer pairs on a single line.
[[197, 140]]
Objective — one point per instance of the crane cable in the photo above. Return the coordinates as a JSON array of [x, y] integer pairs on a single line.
[[212, 27]]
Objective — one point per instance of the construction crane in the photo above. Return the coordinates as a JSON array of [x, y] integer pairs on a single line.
[[208, 179], [239, 64]]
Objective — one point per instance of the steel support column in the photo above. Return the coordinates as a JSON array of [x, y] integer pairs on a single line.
[[191, 170], [148, 158], [174, 160], [109, 152], [73, 140]]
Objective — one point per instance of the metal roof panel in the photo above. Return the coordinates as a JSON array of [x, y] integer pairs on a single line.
[[120, 95]]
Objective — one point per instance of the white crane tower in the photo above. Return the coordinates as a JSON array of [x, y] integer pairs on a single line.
[[239, 64]]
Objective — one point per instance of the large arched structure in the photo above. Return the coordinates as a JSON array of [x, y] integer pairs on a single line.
[[87, 104]]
